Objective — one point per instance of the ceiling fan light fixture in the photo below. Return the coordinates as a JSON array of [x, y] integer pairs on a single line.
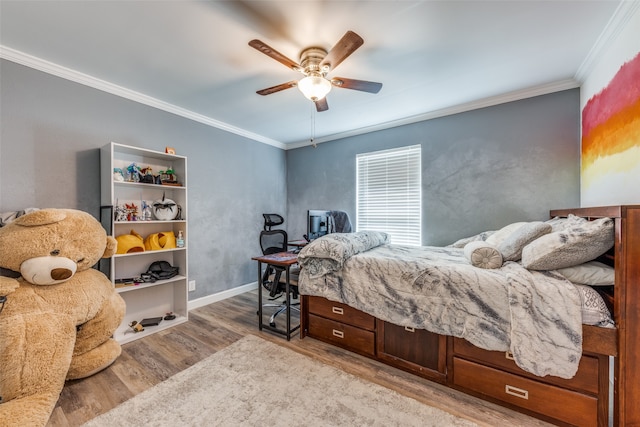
[[315, 63], [314, 88]]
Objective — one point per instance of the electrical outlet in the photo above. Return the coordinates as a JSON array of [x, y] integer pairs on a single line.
[[192, 285]]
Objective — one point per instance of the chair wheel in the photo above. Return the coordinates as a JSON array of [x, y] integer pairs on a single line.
[[272, 324]]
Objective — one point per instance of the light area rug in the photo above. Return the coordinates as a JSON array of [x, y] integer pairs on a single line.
[[255, 382]]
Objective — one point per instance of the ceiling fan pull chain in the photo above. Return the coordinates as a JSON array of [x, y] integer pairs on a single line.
[[313, 126]]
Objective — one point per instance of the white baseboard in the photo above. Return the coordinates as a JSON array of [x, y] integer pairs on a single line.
[[200, 302]]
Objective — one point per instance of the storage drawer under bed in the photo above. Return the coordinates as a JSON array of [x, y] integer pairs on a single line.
[[341, 313], [564, 405], [585, 379], [346, 336]]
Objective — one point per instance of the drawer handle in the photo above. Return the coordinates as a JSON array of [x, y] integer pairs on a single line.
[[337, 310], [338, 334], [517, 392], [508, 355], [409, 329]]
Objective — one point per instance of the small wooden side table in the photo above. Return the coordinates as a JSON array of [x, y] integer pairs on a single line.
[[298, 243], [280, 259]]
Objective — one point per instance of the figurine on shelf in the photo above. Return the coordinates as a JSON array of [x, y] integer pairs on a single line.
[[132, 211], [168, 177], [134, 172], [146, 175], [146, 211], [120, 213], [118, 176]]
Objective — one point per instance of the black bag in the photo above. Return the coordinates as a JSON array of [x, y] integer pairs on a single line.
[[161, 270], [148, 179]]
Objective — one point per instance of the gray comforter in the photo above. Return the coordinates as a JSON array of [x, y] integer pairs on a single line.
[[535, 315]]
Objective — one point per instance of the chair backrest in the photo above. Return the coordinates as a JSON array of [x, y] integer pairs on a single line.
[[272, 219], [273, 241]]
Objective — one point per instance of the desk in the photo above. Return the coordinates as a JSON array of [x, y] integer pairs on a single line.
[[298, 243], [281, 259]]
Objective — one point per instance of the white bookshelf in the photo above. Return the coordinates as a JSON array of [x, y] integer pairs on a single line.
[[147, 300]]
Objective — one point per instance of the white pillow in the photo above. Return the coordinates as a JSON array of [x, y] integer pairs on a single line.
[[592, 273], [558, 224], [511, 247], [498, 237], [573, 246], [462, 242], [483, 255]]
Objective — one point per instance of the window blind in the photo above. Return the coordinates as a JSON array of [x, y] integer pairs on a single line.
[[389, 193]]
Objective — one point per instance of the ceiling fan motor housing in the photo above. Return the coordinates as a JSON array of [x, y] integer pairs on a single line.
[[310, 60]]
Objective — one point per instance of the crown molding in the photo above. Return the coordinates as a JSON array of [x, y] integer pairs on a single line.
[[623, 13], [87, 80], [22, 58], [461, 108]]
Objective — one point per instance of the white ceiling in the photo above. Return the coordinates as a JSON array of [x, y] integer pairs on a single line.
[[192, 57]]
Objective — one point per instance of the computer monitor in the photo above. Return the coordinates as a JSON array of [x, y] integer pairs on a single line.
[[317, 223]]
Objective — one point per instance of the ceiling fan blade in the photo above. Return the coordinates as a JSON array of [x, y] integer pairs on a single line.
[[321, 105], [362, 85], [345, 47], [277, 88], [269, 51]]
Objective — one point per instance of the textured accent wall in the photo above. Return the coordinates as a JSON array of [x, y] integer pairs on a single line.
[[50, 135], [481, 169]]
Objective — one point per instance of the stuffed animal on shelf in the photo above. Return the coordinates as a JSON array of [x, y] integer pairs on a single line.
[[59, 314]]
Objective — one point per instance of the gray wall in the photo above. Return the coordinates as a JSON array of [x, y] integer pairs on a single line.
[[481, 169], [51, 131]]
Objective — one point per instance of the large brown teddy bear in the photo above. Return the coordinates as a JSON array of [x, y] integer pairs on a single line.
[[58, 318]]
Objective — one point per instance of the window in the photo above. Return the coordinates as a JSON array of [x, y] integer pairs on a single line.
[[389, 193]]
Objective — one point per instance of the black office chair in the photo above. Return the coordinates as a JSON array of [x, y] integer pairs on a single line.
[[274, 277]]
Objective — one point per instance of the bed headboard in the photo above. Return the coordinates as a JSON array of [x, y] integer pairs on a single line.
[[626, 260]]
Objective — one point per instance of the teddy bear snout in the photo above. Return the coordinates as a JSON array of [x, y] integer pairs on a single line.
[[61, 273], [48, 270]]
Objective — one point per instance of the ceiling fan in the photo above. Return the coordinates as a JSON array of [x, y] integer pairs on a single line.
[[315, 64]]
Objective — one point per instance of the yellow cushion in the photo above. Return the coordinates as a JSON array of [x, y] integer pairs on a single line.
[[159, 241], [128, 243]]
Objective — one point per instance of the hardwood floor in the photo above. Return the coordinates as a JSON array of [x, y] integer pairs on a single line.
[[151, 360]]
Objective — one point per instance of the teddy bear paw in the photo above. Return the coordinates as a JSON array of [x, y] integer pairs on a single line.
[[93, 361]]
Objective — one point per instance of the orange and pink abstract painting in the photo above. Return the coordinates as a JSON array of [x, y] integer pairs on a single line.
[[611, 138]]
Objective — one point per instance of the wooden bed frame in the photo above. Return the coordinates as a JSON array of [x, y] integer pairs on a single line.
[[583, 400], [624, 341]]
